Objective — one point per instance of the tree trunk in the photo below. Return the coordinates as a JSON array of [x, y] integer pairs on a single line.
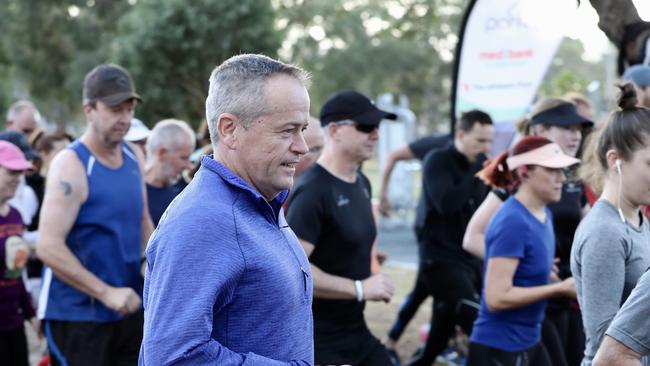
[[614, 16]]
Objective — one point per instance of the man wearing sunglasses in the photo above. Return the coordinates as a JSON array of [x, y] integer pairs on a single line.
[[330, 212]]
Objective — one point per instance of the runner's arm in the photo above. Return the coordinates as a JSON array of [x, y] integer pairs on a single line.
[[377, 287], [402, 153], [474, 239], [65, 191], [614, 353], [502, 294]]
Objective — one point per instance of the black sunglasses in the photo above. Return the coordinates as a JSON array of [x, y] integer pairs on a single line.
[[359, 127]]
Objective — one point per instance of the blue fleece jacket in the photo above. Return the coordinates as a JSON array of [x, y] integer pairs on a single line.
[[227, 282]]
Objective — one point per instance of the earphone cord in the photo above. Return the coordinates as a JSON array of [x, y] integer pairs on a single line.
[[618, 198]]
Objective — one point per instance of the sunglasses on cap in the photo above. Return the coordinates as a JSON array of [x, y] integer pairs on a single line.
[[359, 127]]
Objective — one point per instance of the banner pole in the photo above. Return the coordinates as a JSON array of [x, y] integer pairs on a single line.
[[457, 53]]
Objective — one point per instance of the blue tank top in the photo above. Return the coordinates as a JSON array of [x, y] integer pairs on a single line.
[[105, 238]]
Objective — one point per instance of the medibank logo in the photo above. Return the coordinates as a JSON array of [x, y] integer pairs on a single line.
[[510, 21], [507, 54]]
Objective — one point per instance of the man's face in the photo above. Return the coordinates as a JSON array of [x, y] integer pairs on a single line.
[[315, 142], [110, 124], [358, 146], [24, 122], [476, 141], [269, 149], [176, 160]]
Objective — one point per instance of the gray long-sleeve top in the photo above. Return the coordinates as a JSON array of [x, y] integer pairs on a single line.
[[607, 259], [631, 326]]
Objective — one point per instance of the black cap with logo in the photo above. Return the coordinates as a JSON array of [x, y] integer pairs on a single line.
[[110, 84], [354, 106]]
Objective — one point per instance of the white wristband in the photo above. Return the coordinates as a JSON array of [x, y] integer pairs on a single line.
[[359, 287]]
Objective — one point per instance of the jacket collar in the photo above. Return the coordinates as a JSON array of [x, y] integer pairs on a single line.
[[229, 177]]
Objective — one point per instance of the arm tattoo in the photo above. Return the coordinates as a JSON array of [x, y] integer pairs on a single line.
[[67, 187]]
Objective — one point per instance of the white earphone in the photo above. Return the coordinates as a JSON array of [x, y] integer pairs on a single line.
[[620, 183]]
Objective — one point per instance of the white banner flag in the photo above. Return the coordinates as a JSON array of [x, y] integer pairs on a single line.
[[506, 49]]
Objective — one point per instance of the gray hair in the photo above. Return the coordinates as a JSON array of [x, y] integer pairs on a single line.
[[170, 134], [17, 107], [237, 87]]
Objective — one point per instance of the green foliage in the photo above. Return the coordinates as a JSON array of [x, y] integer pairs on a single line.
[[48, 51], [569, 72], [375, 47], [564, 82], [171, 46]]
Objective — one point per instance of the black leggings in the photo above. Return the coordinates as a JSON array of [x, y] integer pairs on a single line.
[[563, 336], [409, 307], [13, 347], [481, 355], [455, 287], [552, 338]]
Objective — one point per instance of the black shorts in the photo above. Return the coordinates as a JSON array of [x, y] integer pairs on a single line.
[[89, 343], [359, 348], [481, 355]]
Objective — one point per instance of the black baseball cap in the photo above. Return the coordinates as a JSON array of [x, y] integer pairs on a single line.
[[111, 84], [21, 142], [563, 115], [354, 106]]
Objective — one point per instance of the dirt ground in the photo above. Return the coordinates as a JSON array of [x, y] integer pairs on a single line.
[[380, 315]]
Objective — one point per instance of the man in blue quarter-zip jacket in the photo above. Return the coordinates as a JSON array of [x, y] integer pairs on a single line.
[[227, 282], [93, 227]]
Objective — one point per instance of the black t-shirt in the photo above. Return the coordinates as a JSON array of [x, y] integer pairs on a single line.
[[421, 147], [37, 183], [158, 199], [450, 195], [336, 217], [567, 214]]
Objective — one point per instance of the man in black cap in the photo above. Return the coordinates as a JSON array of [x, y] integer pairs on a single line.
[[330, 212], [94, 224]]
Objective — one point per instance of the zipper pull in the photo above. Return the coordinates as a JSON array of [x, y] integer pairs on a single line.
[[305, 276]]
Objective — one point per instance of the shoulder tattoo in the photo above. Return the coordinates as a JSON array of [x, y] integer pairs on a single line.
[[67, 187]]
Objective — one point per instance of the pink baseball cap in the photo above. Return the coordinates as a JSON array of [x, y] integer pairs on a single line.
[[548, 156], [12, 158]]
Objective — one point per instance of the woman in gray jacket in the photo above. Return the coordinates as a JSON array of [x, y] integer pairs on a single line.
[[611, 248]]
